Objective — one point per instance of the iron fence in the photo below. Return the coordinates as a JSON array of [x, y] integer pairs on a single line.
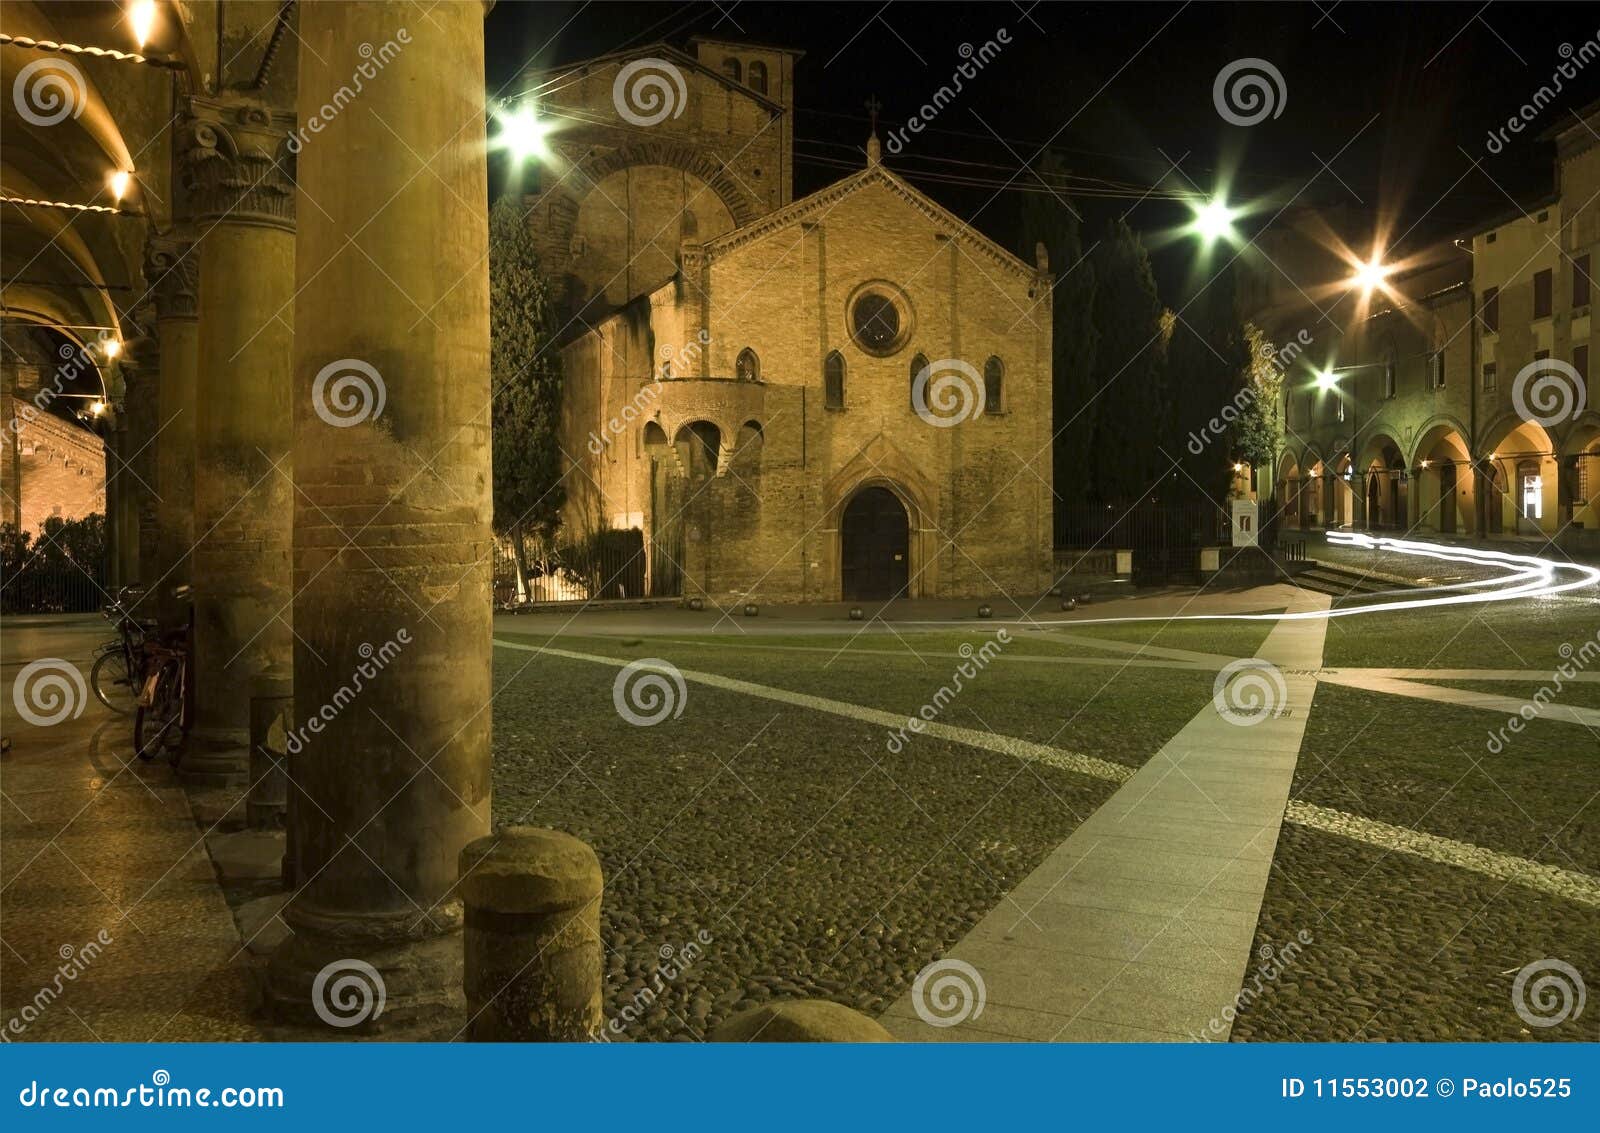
[[52, 590], [603, 566]]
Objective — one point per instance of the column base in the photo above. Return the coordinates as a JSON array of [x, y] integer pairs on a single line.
[[215, 763], [366, 976]]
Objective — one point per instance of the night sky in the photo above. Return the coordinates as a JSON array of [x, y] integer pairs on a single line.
[[1397, 98]]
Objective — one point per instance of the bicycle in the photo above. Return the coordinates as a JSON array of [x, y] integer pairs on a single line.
[[115, 677], [165, 711]]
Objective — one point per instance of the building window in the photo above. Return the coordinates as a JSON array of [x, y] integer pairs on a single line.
[[1540, 355], [918, 365], [1542, 293], [994, 376], [1491, 377], [1388, 378], [1436, 369], [1580, 281], [748, 367], [833, 380], [731, 68], [1491, 310], [1338, 407], [878, 323], [1311, 410], [1580, 361], [758, 77]]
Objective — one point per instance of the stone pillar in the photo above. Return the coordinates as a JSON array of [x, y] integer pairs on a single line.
[[140, 384], [534, 961], [121, 498], [172, 272], [392, 604], [239, 176]]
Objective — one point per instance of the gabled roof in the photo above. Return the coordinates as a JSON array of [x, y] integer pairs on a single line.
[[657, 50], [821, 202]]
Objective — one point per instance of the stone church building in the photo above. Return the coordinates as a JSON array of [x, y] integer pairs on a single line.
[[844, 396]]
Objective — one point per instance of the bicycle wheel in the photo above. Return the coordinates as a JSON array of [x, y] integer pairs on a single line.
[[153, 721], [111, 683]]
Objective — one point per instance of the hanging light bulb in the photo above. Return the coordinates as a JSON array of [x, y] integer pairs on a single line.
[[142, 19]]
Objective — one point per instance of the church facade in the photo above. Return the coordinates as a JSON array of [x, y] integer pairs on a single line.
[[840, 397]]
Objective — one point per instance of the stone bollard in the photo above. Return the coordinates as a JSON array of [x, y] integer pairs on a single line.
[[271, 695], [533, 966], [800, 1021]]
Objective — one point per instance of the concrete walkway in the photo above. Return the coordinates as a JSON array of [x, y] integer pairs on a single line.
[[105, 873], [1138, 927]]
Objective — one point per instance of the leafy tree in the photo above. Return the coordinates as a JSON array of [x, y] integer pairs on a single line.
[[1258, 432], [1128, 370], [1047, 219], [525, 372], [1207, 368]]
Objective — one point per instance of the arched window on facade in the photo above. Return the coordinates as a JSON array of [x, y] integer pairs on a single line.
[[994, 374], [833, 381], [731, 68], [758, 77], [918, 364], [748, 367]]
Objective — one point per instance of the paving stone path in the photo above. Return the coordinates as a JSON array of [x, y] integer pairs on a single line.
[[1138, 928]]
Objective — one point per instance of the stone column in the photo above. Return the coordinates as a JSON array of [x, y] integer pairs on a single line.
[[392, 546], [140, 383], [239, 177], [121, 498], [172, 271]]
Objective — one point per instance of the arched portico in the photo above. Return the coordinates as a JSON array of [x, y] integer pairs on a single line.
[[1382, 503], [1525, 485], [1443, 494]]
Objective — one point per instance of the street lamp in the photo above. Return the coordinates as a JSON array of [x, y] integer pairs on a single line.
[[1213, 220], [523, 133]]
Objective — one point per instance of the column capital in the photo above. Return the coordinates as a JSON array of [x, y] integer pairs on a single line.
[[172, 272], [237, 165]]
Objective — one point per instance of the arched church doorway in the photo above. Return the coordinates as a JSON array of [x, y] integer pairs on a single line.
[[874, 546]]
